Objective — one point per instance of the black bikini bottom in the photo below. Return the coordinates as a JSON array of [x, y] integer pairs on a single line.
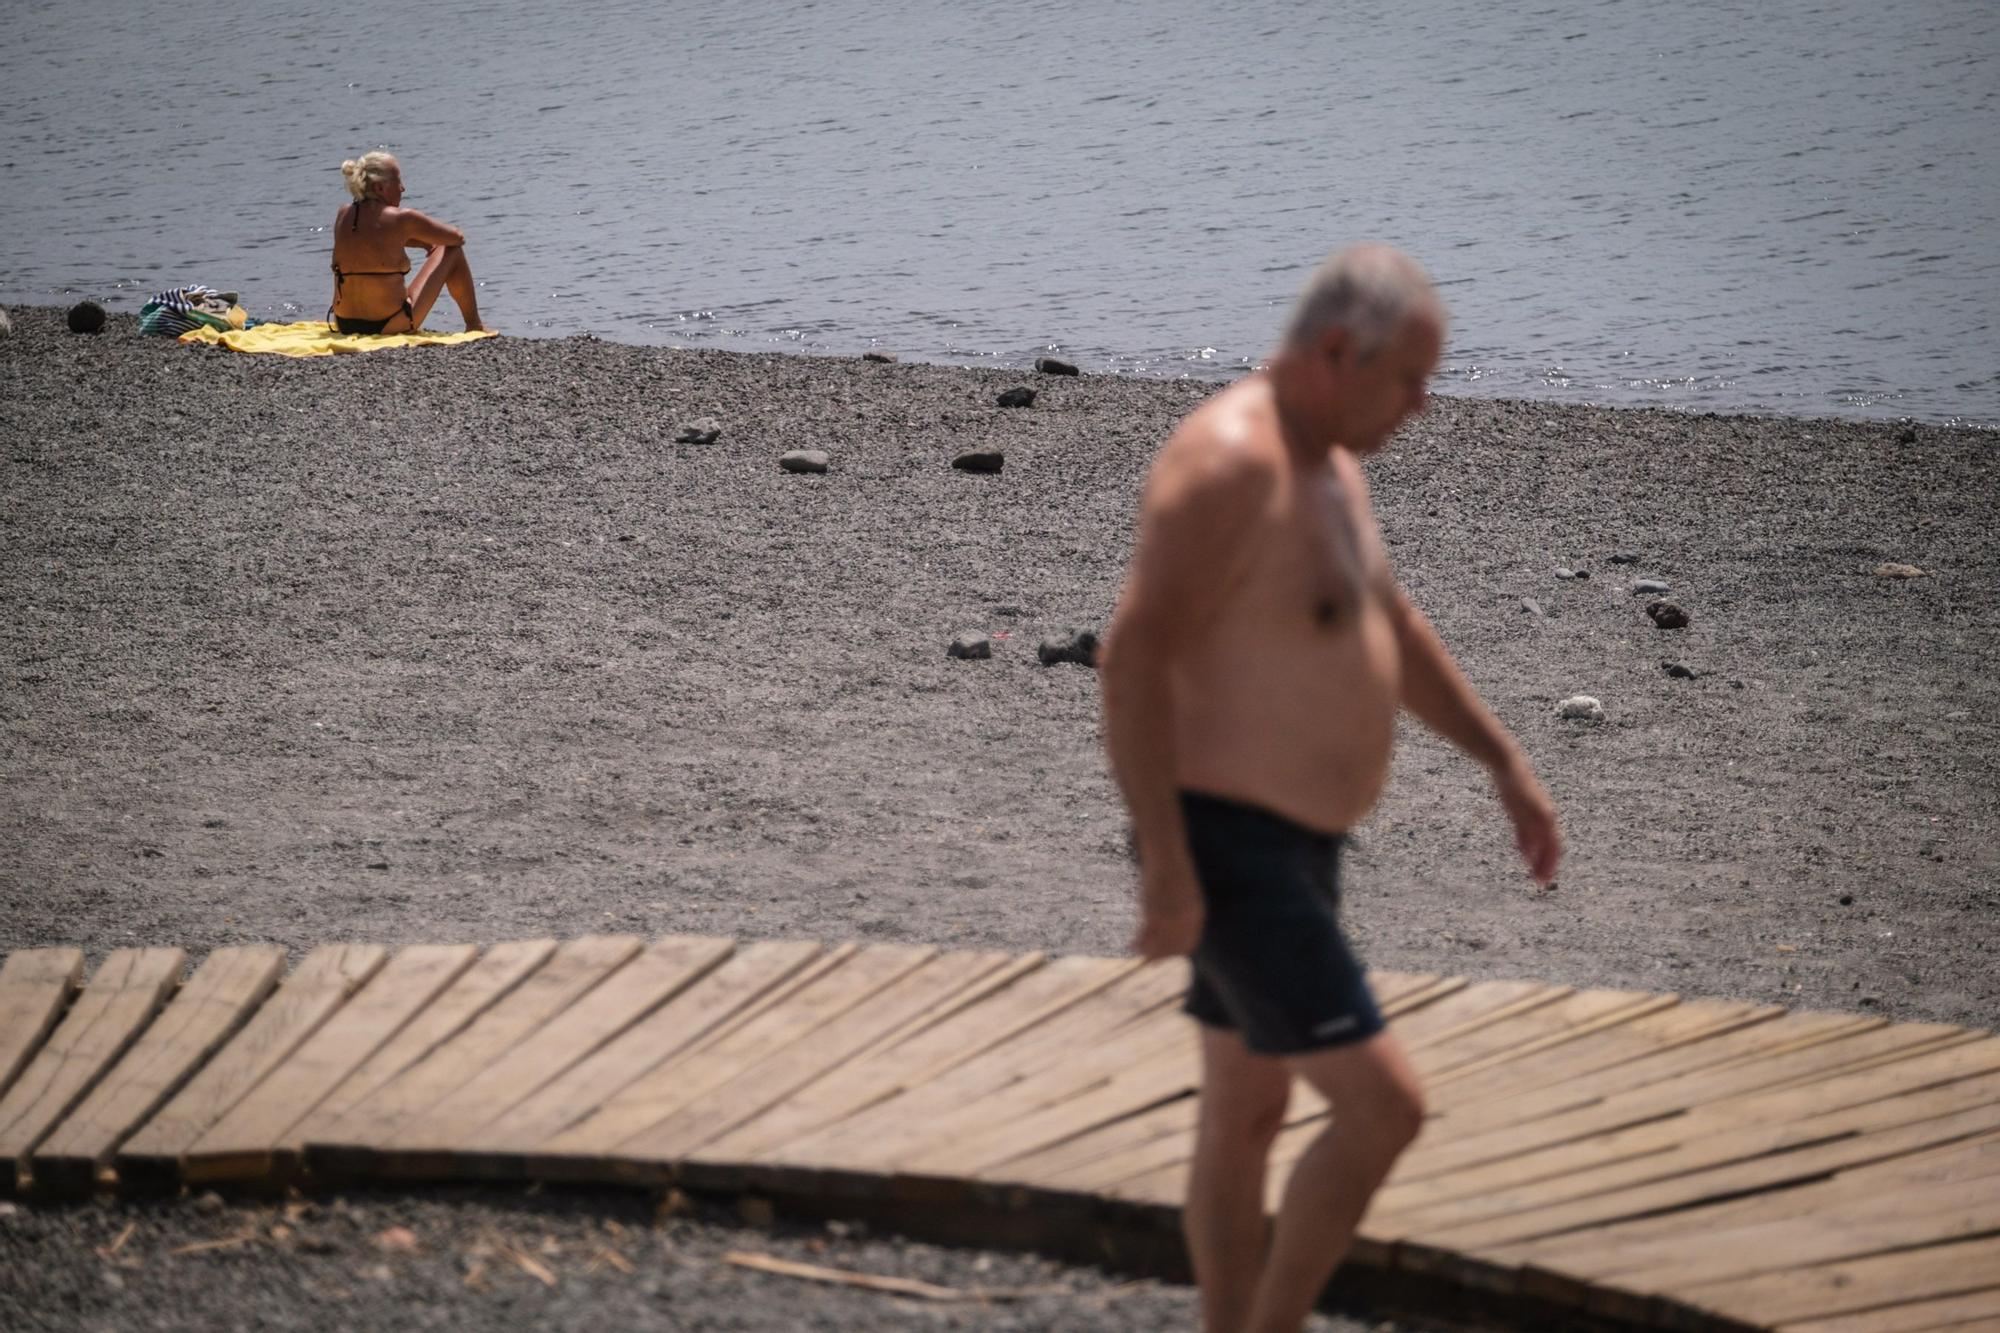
[[349, 324]]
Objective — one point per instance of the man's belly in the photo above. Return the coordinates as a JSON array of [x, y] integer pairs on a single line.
[[1305, 730]]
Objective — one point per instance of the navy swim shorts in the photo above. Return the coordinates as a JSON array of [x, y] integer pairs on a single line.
[[1272, 964]]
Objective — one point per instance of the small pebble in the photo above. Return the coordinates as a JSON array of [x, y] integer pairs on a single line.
[[1533, 607], [1650, 587], [702, 430], [1678, 670], [1049, 365], [1017, 397], [6, 324], [804, 460], [1581, 708], [1565, 572], [980, 460], [86, 317], [886, 358], [1847, 900], [1624, 558], [208, 1201], [1895, 571], [1667, 615], [971, 645]]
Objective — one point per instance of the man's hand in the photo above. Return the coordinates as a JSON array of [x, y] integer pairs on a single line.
[[1534, 817], [1170, 916]]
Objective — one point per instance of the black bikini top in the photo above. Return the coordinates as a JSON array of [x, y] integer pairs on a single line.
[[354, 224]]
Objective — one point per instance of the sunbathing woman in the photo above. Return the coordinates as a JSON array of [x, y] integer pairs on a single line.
[[369, 238]]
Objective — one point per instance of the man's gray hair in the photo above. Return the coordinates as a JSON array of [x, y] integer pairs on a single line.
[[1368, 290]]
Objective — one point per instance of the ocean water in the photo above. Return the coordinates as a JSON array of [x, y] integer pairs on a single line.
[[1790, 206]]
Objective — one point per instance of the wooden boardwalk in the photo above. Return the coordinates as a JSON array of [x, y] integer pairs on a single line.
[[1664, 1163]]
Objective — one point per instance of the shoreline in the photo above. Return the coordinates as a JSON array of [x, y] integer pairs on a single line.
[[1215, 378], [462, 645]]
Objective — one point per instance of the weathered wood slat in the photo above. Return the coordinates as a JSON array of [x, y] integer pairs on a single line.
[[216, 1001], [871, 1137], [1755, 1158], [252, 1139], [151, 1158], [1615, 1247], [478, 988], [741, 983], [642, 1107], [1974, 1312], [1826, 1290], [35, 986], [570, 973], [890, 1069], [128, 988], [697, 1124], [669, 967]]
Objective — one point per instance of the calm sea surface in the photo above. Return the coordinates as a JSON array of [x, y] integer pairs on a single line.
[[1768, 205]]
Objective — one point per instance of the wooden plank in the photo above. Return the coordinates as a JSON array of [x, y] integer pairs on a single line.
[[570, 973], [694, 1126], [322, 982], [1474, 1007], [35, 986], [1758, 1157], [1171, 1074], [644, 1105], [478, 988], [252, 1141], [1607, 1250], [753, 972], [1543, 1029], [216, 1001], [923, 1055], [1826, 1290], [981, 1017], [1482, 1138], [663, 971], [128, 988], [1132, 1144], [872, 1135], [1980, 1309], [1956, 1210]]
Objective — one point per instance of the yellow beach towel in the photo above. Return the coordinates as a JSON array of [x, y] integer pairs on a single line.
[[315, 339]]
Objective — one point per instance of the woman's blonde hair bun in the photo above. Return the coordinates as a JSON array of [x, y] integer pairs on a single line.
[[365, 172]]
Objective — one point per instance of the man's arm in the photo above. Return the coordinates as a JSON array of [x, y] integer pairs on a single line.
[[1442, 699], [1205, 494]]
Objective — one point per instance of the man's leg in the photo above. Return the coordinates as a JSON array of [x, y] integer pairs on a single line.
[[1378, 1108], [1243, 1099]]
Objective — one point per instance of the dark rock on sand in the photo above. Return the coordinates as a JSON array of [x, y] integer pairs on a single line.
[[86, 317], [1049, 365], [886, 358], [1020, 396], [1650, 587], [1678, 670], [1624, 558], [1908, 435], [980, 460], [1667, 615], [1078, 646], [702, 430], [804, 460], [971, 645]]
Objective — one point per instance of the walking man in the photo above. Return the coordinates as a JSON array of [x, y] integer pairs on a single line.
[[1251, 678]]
